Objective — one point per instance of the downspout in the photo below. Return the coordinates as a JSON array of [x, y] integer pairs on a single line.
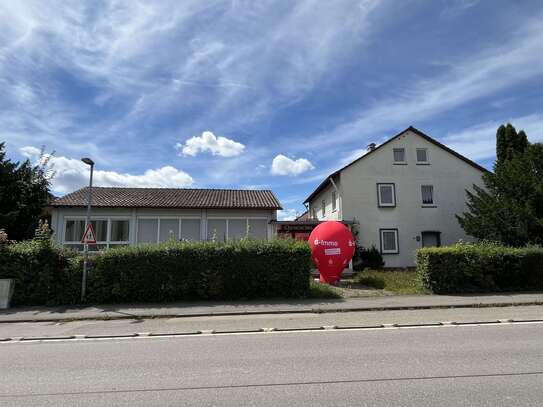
[[340, 201]]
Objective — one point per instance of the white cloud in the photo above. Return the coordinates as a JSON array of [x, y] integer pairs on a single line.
[[287, 214], [221, 146], [72, 174], [282, 165]]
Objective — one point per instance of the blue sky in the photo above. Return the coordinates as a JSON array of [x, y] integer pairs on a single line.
[[258, 94]]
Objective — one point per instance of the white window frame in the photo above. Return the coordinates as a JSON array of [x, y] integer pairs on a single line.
[[334, 205], [430, 205], [380, 204], [323, 208], [417, 156], [108, 242], [179, 226], [246, 218], [382, 240], [404, 155]]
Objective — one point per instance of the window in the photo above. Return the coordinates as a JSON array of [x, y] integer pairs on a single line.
[[333, 200], [169, 230], [237, 229], [399, 155], [427, 192], [386, 195], [190, 229], [258, 228], [323, 207], [422, 156], [147, 230], [216, 230], [313, 213], [109, 233], [389, 241]]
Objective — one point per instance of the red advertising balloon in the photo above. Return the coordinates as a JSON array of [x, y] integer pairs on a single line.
[[332, 247]]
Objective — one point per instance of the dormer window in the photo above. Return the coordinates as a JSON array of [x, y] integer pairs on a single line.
[[399, 155], [422, 156]]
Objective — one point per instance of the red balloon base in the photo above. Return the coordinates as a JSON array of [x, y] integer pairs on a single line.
[[332, 247]]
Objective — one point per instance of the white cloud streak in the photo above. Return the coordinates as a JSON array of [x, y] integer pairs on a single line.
[[282, 165], [208, 142], [72, 174]]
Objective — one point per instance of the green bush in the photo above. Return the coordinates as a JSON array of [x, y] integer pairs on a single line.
[[44, 274], [201, 270], [367, 257], [482, 267]]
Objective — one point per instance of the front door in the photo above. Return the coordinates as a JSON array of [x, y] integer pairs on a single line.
[[431, 239]]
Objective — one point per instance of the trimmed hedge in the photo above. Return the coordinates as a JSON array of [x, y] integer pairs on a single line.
[[44, 274], [482, 267], [171, 271]]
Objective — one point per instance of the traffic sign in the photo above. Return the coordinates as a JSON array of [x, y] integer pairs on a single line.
[[89, 237]]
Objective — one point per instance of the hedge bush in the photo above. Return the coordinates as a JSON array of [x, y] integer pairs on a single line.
[[46, 274], [482, 267], [201, 270]]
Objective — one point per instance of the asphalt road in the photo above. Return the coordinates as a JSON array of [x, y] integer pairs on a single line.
[[492, 365]]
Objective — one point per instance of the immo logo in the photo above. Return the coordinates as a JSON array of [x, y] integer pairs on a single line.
[[317, 242]]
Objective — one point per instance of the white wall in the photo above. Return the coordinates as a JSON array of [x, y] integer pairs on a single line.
[[449, 176], [60, 215], [326, 195]]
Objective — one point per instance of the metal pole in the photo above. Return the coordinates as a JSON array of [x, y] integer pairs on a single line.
[[86, 245]]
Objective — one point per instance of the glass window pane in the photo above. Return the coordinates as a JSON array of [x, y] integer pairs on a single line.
[[169, 230], [237, 229], [333, 200], [119, 230], [422, 155], [100, 229], [258, 229], [147, 230], [190, 229], [427, 194], [216, 229], [386, 194], [399, 154], [74, 230], [389, 240]]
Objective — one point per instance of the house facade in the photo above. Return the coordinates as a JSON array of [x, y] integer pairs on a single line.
[[403, 195], [130, 216]]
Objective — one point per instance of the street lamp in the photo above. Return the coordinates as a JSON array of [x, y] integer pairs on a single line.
[[89, 162]]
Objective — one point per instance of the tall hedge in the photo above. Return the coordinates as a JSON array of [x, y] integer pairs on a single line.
[[483, 267], [201, 270], [46, 274]]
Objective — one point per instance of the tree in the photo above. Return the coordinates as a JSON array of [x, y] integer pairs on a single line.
[[509, 209], [24, 192]]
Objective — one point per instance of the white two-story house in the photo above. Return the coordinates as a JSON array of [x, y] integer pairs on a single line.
[[402, 195]]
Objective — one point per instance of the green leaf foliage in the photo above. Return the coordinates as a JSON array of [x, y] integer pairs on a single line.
[[509, 209], [481, 267], [172, 271]]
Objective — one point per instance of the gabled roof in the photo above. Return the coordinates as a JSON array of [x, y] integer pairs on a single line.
[[114, 197], [410, 128]]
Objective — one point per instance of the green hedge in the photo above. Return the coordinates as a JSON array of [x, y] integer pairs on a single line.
[[174, 271], [44, 274], [482, 267]]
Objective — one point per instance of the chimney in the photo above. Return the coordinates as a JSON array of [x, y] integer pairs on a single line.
[[371, 147]]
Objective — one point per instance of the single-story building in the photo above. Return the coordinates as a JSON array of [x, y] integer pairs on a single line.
[[129, 216]]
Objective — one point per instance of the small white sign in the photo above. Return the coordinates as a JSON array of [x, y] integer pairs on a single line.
[[332, 252]]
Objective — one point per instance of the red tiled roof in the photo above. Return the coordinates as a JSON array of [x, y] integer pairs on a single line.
[[114, 197]]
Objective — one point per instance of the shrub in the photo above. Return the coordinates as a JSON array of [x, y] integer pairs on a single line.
[[367, 258], [482, 267], [201, 270], [44, 274]]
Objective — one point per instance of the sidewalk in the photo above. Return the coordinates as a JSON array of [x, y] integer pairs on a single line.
[[202, 308]]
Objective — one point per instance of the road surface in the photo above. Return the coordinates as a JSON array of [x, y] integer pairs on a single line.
[[485, 365]]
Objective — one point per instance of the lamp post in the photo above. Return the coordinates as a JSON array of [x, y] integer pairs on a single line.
[[89, 162]]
